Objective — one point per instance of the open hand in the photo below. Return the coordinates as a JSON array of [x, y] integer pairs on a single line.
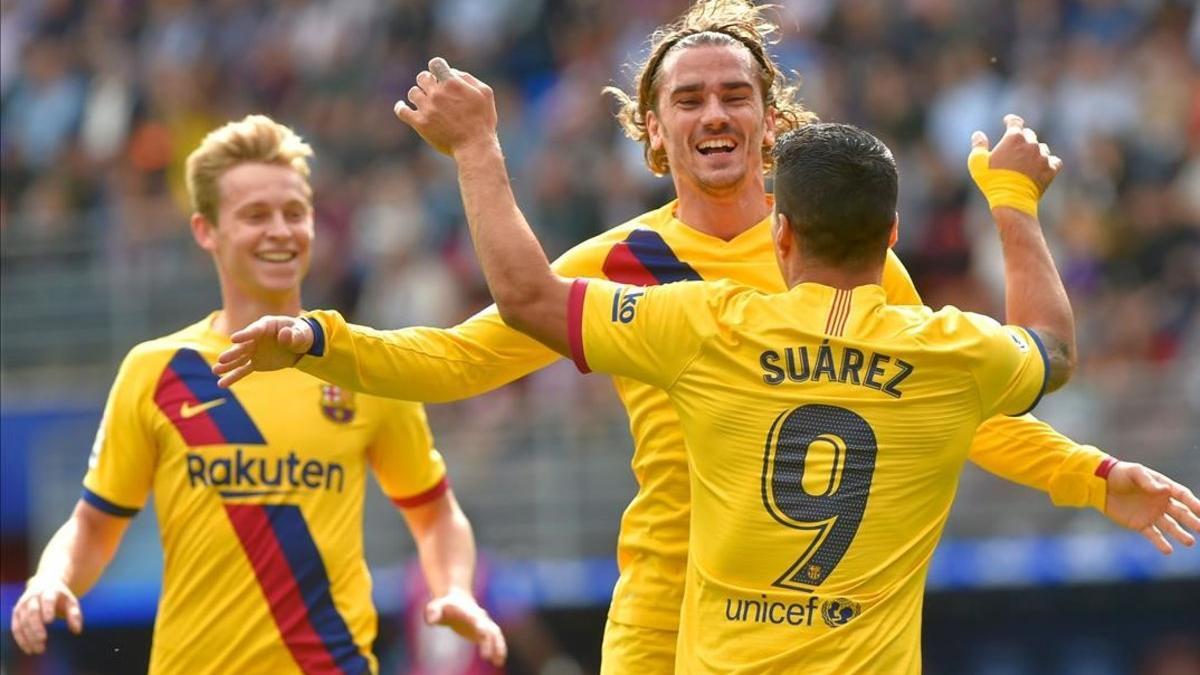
[[459, 610], [43, 600], [1142, 499], [449, 108], [270, 343]]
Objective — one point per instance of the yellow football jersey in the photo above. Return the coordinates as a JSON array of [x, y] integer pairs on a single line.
[[825, 431], [259, 496], [482, 353]]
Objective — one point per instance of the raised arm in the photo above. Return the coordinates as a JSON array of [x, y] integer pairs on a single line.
[[1012, 177], [456, 114]]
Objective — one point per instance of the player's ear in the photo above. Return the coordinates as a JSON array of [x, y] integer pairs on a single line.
[[654, 131], [895, 235], [204, 232], [769, 129], [782, 232]]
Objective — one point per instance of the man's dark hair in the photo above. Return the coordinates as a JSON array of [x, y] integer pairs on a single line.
[[837, 185]]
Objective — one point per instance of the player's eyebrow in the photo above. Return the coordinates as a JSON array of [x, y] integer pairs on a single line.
[[261, 202], [252, 205], [699, 86]]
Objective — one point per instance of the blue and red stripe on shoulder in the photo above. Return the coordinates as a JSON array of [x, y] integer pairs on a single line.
[[645, 259], [187, 393]]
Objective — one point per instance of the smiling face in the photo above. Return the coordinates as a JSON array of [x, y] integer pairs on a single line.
[[710, 120], [262, 240]]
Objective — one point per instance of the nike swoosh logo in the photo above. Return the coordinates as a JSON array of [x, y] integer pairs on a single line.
[[188, 411]]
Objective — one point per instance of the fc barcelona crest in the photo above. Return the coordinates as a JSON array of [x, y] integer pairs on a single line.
[[337, 403]]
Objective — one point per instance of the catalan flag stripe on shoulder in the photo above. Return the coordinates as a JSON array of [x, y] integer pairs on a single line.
[[645, 259], [187, 393]]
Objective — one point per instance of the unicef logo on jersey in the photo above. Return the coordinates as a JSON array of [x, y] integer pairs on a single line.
[[839, 611], [791, 610]]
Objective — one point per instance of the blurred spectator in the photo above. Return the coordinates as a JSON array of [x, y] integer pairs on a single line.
[[46, 104]]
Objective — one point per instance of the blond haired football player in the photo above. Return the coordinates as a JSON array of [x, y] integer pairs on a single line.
[[258, 488], [718, 228]]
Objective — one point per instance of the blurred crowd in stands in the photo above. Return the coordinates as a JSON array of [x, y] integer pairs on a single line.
[[103, 99]]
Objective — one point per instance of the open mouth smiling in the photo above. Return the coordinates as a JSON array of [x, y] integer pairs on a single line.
[[276, 256], [716, 146]]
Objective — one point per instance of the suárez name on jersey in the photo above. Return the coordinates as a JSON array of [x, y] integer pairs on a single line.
[[835, 364], [267, 474]]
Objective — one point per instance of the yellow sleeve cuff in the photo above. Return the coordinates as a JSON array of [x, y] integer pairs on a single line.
[[1082, 479]]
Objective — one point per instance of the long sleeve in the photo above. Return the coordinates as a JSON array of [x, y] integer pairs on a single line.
[[1028, 451], [436, 365], [424, 364]]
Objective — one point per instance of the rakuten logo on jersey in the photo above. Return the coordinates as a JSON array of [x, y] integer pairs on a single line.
[[240, 475]]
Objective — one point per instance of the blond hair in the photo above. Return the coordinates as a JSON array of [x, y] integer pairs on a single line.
[[711, 22], [254, 138]]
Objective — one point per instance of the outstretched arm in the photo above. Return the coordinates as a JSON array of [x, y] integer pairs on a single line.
[[456, 114], [433, 365], [71, 563], [1028, 451]]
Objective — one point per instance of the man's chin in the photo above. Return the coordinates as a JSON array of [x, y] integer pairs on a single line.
[[280, 283], [722, 180]]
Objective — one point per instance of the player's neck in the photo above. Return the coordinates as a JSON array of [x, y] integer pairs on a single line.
[[724, 216], [803, 272], [239, 309]]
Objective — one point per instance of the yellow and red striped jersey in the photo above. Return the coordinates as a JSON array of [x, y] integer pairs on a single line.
[[259, 495]]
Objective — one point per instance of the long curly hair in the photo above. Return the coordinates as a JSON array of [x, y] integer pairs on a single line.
[[711, 22]]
